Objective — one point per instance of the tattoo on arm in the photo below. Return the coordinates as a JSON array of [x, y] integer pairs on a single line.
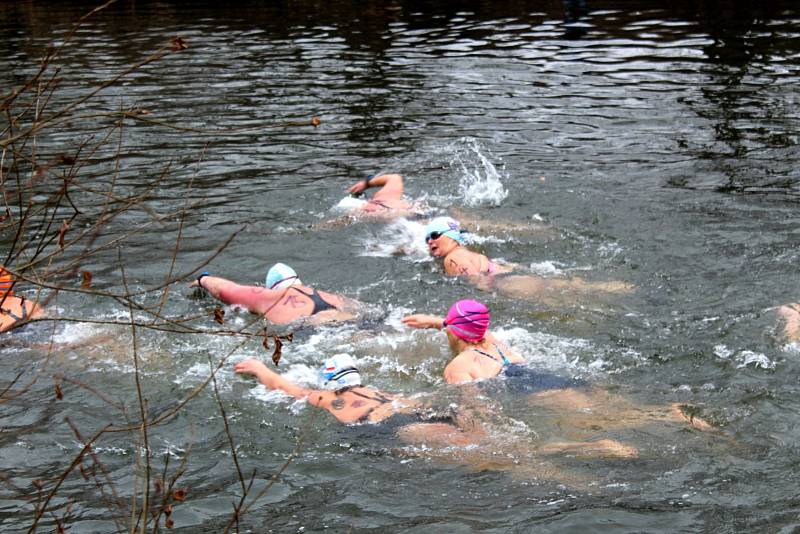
[[337, 404], [294, 301]]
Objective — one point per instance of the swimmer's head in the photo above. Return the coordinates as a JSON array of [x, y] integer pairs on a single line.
[[281, 276], [6, 283], [444, 226], [468, 320], [339, 372]]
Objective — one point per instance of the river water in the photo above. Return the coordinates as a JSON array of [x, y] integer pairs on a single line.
[[648, 142]]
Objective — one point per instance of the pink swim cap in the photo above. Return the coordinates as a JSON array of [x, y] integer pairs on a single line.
[[468, 319]]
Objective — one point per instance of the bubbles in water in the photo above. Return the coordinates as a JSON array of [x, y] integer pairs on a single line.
[[479, 180]]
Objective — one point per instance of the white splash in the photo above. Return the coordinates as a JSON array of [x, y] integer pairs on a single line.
[[723, 352], [480, 182], [348, 204], [744, 358], [399, 238], [756, 359]]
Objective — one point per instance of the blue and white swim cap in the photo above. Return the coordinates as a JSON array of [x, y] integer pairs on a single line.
[[445, 226], [339, 371], [281, 276]]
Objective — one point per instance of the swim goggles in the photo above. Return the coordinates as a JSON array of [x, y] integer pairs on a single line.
[[433, 236]]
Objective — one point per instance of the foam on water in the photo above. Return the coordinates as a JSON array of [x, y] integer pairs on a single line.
[[398, 238], [547, 268], [75, 333], [570, 356], [744, 358]]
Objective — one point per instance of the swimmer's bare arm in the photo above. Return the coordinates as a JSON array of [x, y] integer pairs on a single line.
[[391, 186], [272, 380], [254, 298], [420, 320], [269, 378]]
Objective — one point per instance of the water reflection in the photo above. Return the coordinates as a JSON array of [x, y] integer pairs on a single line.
[[576, 113]]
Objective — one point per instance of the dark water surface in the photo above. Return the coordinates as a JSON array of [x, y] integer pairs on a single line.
[[658, 141]]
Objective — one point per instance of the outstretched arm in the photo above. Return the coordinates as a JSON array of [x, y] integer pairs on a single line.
[[391, 186], [420, 320], [271, 379], [254, 298]]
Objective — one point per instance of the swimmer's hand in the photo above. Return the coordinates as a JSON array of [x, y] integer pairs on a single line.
[[251, 367], [420, 320], [360, 186], [196, 283]]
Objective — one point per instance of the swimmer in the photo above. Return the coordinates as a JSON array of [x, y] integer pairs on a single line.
[[284, 299], [386, 204], [352, 403], [479, 355], [14, 311], [446, 240], [379, 413]]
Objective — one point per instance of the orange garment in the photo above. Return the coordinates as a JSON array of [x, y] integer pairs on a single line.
[[6, 283]]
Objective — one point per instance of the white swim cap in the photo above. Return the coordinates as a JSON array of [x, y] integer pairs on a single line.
[[281, 276], [338, 372], [350, 204]]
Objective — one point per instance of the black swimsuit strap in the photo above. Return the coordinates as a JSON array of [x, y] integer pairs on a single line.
[[320, 304], [504, 362], [11, 314], [14, 315]]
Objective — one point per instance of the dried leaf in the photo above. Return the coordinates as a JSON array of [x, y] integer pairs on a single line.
[[315, 121], [179, 494], [87, 279], [168, 510], [158, 485], [61, 233], [288, 337], [265, 343], [59, 393], [276, 354], [6, 215], [169, 523], [67, 160], [178, 44], [219, 313]]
